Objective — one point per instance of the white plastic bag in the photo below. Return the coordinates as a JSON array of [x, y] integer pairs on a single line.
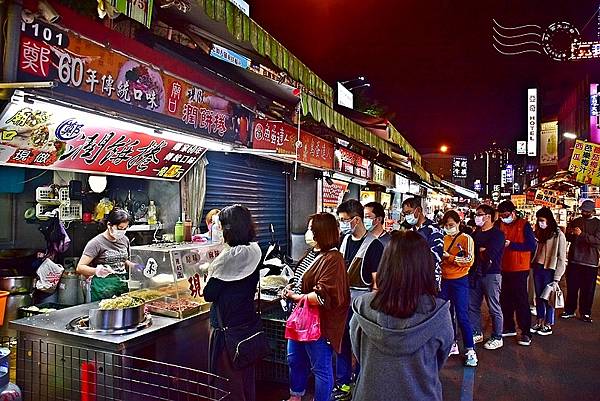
[[557, 298], [49, 274]]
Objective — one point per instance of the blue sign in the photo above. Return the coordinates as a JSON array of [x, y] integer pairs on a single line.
[[230, 56]]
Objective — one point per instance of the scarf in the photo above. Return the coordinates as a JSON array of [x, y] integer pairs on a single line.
[[235, 263]]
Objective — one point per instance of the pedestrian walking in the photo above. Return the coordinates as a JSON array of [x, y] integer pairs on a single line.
[[415, 218], [458, 257], [401, 334], [520, 243], [485, 279], [322, 279], [584, 235], [362, 253], [549, 264]]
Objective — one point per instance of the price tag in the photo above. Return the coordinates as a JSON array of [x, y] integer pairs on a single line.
[[151, 268]]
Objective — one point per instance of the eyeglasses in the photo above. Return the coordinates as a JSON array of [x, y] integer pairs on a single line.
[[480, 214], [346, 220]]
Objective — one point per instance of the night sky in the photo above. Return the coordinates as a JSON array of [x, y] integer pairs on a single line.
[[432, 62]]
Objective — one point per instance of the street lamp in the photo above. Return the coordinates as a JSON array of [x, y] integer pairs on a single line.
[[443, 148], [361, 78], [570, 135], [359, 86]]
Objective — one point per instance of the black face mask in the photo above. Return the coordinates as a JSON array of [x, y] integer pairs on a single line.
[[587, 215]]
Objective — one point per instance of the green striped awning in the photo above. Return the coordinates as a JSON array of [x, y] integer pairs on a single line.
[[244, 29]]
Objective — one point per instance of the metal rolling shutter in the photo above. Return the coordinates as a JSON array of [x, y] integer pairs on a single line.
[[256, 183]]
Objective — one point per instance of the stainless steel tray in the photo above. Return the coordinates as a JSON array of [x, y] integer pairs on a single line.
[[170, 313]]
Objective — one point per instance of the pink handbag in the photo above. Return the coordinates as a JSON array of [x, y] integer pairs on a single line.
[[304, 323]]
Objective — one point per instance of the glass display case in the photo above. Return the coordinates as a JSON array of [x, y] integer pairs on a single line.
[[170, 276]]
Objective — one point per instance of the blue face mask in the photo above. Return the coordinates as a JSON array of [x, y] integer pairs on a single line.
[[507, 220], [368, 223], [411, 219]]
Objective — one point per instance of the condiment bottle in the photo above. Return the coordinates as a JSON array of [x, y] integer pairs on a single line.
[[187, 230], [179, 237]]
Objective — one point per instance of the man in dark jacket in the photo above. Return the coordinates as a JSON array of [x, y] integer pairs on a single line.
[[584, 235]]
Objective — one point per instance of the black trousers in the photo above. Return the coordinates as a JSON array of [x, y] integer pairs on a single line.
[[514, 299], [581, 280]]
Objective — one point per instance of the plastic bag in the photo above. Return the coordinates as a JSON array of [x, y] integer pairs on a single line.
[[49, 274], [304, 324], [557, 298]]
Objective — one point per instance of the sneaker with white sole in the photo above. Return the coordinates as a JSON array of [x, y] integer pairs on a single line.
[[341, 392], [471, 358], [454, 350], [524, 340], [536, 327], [545, 331], [477, 337], [567, 315], [493, 343], [509, 333]]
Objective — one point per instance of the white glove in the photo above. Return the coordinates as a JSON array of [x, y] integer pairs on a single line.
[[103, 271]]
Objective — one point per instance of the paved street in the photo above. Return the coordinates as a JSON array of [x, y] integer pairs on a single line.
[[563, 366]]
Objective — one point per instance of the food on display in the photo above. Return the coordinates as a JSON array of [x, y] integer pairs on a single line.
[[122, 302], [176, 305], [147, 294], [274, 281]]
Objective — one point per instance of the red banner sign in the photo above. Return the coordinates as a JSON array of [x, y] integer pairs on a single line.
[[351, 163], [50, 136], [281, 137], [49, 53], [333, 194]]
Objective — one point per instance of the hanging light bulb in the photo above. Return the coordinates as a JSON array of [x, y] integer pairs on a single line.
[[97, 183]]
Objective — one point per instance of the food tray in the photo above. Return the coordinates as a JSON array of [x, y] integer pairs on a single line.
[[153, 308], [47, 196], [70, 212], [25, 312]]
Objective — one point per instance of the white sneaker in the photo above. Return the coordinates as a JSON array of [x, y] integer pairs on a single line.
[[471, 358], [477, 338], [454, 350], [493, 343]]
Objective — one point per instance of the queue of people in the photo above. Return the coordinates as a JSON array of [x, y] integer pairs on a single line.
[[389, 303]]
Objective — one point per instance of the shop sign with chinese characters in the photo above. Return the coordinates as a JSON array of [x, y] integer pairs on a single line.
[[519, 201], [383, 176], [351, 163], [532, 128], [58, 138], [459, 167], [51, 54], [281, 137], [547, 197], [585, 162], [333, 193]]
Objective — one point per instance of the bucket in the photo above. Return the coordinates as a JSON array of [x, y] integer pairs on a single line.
[[3, 296]]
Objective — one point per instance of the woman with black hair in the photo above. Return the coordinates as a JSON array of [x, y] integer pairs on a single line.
[[231, 286], [549, 265], [402, 333], [106, 258]]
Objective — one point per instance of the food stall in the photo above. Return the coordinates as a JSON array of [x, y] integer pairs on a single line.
[[163, 318]]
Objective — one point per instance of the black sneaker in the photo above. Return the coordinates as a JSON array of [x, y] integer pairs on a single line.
[[509, 333], [567, 315], [341, 392], [586, 318], [524, 340], [546, 330]]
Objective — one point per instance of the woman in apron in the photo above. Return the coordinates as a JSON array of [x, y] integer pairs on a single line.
[[106, 258]]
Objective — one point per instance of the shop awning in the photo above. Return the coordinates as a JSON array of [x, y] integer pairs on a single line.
[[222, 19], [460, 190]]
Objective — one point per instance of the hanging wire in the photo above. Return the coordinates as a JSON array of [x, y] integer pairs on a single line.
[[590, 20]]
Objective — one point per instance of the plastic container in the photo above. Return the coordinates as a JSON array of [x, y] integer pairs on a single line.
[[47, 195], [179, 234], [3, 299], [216, 234], [187, 231], [25, 312], [152, 215]]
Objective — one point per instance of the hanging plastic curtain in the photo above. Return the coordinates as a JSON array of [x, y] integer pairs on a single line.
[[193, 192]]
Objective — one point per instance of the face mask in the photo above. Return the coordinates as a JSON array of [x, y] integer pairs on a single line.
[[116, 233], [310, 239], [411, 219], [345, 227], [451, 231], [543, 225], [479, 221], [368, 223], [507, 220]]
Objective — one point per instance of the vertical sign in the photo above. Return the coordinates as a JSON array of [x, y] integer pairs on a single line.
[[345, 97], [510, 174], [459, 167], [594, 129], [531, 122], [549, 143], [521, 147]]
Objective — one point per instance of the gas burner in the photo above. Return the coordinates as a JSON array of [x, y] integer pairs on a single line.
[[82, 325]]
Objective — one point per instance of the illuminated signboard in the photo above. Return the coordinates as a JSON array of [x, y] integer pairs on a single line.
[[521, 147], [532, 122], [549, 143], [459, 167], [345, 97], [594, 112]]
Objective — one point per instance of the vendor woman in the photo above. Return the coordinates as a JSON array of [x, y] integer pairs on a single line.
[[106, 258]]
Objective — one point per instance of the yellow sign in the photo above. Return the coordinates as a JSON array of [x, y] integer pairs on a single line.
[[386, 200], [367, 196], [547, 197], [585, 162], [519, 200]]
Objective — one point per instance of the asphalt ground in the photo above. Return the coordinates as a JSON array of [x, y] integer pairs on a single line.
[[564, 366]]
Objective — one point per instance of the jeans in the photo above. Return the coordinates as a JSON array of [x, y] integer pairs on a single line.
[[343, 360], [315, 356], [541, 278], [514, 300], [457, 292], [488, 287], [582, 280]]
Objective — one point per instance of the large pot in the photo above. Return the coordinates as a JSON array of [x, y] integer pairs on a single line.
[[13, 303], [16, 284], [116, 319]]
